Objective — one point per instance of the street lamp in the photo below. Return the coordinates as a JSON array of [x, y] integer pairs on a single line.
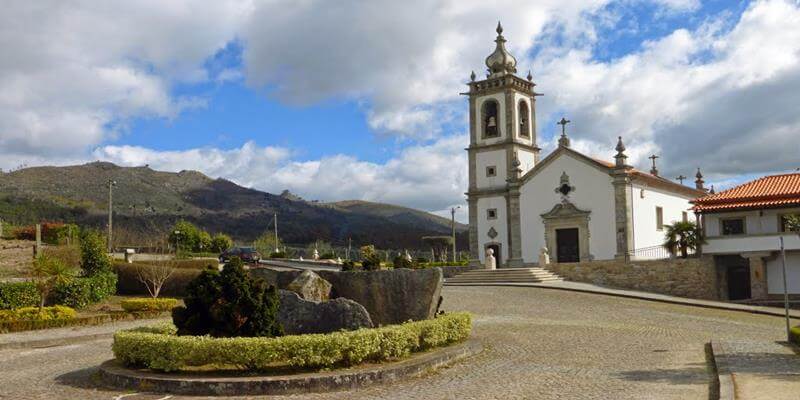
[[453, 228], [177, 242], [111, 183]]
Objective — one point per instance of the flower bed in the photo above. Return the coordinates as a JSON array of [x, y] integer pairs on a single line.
[[34, 314], [148, 304], [159, 349]]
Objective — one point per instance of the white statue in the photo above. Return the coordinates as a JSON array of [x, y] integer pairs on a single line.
[[544, 257], [407, 256], [301, 258], [315, 256], [491, 263]]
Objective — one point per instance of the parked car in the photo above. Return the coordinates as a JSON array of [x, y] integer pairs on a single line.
[[247, 254]]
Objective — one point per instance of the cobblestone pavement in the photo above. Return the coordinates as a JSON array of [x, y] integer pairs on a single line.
[[760, 370], [540, 344]]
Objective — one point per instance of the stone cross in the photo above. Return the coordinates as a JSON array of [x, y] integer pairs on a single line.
[[680, 178], [654, 170], [563, 124]]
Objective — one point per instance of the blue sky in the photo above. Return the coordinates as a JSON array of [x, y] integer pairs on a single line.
[[352, 100]]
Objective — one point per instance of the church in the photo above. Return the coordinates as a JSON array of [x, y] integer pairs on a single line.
[[576, 207]]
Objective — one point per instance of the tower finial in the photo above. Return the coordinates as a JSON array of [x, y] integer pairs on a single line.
[[621, 158], [654, 170], [472, 76], [698, 183], [530, 77], [500, 62], [499, 28]]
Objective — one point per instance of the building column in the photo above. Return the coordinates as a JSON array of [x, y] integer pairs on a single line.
[[474, 256], [758, 276], [514, 227]]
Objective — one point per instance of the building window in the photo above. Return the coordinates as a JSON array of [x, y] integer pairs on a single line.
[[491, 124], [491, 213], [524, 119], [685, 216], [784, 222], [733, 226], [659, 218], [491, 171]]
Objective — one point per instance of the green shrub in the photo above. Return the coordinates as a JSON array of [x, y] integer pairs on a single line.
[[94, 258], [221, 242], [165, 352], [69, 255], [794, 334], [277, 254], [370, 260], [148, 304], [349, 265], [229, 303], [18, 295], [83, 291], [402, 262], [33, 313], [112, 316], [128, 281], [191, 263]]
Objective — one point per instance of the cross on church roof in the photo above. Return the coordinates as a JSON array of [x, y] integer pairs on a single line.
[[680, 178], [563, 124], [654, 170]]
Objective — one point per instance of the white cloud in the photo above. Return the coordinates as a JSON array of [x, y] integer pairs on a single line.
[[429, 177]]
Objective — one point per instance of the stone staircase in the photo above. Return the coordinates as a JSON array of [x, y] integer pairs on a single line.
[[504, 275]]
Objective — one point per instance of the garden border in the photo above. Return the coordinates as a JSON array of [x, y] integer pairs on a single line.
[[115, 375]]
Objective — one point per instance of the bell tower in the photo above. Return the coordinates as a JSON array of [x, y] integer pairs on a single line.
[[502, 118]]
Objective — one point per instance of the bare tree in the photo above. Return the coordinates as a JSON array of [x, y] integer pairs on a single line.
[[154, 277]]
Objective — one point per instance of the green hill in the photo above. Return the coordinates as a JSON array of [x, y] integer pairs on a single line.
[[148, 202]]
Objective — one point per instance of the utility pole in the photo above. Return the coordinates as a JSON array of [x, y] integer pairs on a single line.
[[111, 184], [349, 244], [453, 228], [276, 233], [785, 293]]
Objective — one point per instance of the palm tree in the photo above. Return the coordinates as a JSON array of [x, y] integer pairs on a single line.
[[48, 272], [681, 236]]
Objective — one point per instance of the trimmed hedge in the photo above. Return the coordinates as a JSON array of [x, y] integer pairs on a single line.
[[128, 280], [148, 304], [192, 263], [33, 313], [18, 295], [159, 349], [82, 291], [794, 335], [113, 316]]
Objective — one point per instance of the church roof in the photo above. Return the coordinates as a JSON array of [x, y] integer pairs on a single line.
[[608, 167], [772, 191]]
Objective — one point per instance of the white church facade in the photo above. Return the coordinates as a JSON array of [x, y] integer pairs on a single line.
[[577, 207]]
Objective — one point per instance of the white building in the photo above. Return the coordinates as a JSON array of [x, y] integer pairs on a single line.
[[743, 227], [578, 207]]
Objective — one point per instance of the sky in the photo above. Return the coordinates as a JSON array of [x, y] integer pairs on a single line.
[[360, 100]]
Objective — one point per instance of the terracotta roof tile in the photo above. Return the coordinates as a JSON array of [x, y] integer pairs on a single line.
[[766, 192]]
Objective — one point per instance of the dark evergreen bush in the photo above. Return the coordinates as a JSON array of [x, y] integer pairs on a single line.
[[402, 262], [229, 304]]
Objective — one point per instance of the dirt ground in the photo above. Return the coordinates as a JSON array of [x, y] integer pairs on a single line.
[[16, 258]]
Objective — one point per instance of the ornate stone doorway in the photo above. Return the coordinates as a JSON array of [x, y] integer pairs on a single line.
[[567, 245]]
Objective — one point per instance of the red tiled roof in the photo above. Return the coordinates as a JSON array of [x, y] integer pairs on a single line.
[[772, 191], [655, 179]]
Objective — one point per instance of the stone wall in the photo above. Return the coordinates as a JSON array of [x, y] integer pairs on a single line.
[[691, 277]]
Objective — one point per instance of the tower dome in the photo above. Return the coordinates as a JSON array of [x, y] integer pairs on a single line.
[[501, 62]]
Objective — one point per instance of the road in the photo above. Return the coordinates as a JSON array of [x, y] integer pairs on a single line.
[[540, 343]]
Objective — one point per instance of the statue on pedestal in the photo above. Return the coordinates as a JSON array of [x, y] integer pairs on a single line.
[[544, 257], [491, 263]]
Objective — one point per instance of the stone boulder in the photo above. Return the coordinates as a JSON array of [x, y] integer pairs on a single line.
[[299, 316], [311, 287], [390, 296]]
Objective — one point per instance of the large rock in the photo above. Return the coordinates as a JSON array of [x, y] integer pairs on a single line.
[[392, 296], [311, 287], [299, 316]]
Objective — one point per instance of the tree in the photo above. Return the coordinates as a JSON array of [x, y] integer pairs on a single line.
[[48, 272], [221, 242], [229, 304], [793, 223], [681, 236], [94, 258], [370, 260], [154, 277], [266, 245], [185, 236]]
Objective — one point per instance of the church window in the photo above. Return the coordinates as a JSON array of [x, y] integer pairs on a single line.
[[491, 123], [659, 218], [733, 226], [524, 119], [491, 171], [491, 213]]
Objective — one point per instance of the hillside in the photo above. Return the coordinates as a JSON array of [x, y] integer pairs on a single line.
[[148, 202]]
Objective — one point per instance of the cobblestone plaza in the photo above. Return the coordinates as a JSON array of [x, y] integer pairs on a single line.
[[540, 343]]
